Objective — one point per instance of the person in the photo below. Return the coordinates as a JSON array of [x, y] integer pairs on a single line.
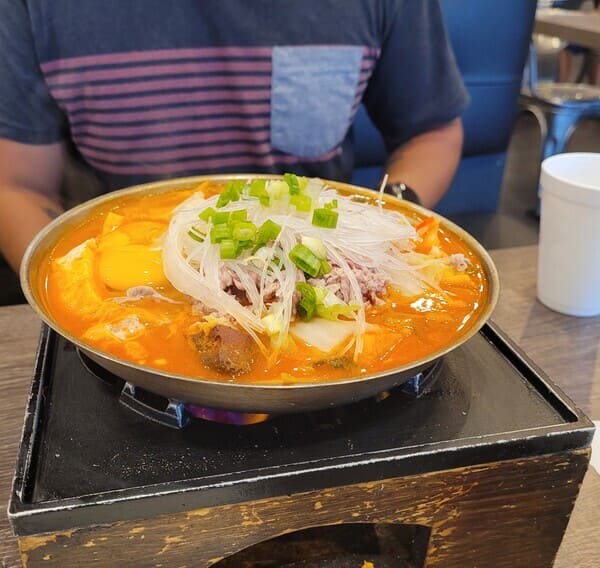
[[590, 68], [152, 90]]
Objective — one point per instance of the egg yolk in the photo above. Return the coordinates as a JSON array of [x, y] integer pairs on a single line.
[[129, 256]]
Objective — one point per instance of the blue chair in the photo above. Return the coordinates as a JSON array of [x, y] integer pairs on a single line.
[[490, 39]]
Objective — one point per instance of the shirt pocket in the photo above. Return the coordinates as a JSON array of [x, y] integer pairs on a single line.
[[312, 97]]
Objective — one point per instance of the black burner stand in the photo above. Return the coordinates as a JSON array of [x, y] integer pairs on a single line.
[[485, 468]]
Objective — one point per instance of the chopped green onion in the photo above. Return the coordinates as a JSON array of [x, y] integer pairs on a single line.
[[325, 267], [220, 217], [302, 182], [326, 218], [240, 215], [307, 306], [207, 214], [243, 245], [302, 203], [223, 200], [219, 233], [306, 260], [316, 301], [268, 231], [334, 311], [231, 193], [277, 188], [332, 204], [244, 231], [258, 189], [196, 235], [228, 248], [293, 184], [330, 307], [316, 245]]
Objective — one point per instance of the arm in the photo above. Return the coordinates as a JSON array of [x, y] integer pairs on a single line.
[[427, 163], [415, 98], [30, 177]]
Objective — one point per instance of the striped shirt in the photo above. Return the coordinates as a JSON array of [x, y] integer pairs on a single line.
[[154, 89]]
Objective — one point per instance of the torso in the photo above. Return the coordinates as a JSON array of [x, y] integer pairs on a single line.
[[156, 89]]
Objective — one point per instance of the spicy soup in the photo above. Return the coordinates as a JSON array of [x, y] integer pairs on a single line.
[[264, 281]]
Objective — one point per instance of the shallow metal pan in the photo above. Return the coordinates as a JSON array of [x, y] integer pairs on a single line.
[[233, 396]]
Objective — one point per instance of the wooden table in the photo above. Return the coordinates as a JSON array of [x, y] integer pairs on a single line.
[[582, 28], [567, 348]]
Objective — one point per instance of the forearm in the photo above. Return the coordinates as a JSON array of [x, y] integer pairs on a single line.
[[30, 177], [17, 230], [428, 162]]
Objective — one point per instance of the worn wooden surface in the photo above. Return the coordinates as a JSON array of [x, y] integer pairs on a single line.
[[508, 514], [19, 328], [567, 348], [577, 27]]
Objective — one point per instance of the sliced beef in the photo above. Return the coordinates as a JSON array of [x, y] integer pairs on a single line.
[[138, 292], [226, 349], [371, 281], [231, 283]]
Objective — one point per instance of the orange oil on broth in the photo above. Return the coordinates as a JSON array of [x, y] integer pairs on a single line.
[[409, 328]]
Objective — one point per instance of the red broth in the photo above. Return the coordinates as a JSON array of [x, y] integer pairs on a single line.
[[407, 328]]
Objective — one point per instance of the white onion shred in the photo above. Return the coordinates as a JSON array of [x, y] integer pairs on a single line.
[[371, 237]]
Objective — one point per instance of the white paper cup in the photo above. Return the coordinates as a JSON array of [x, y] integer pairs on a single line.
[[569, 249]]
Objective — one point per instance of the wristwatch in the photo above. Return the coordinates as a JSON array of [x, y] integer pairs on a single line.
[[402, 191]]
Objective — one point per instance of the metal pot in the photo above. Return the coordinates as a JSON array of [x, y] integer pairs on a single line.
[[231, 396]]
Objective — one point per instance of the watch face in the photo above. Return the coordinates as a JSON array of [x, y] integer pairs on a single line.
[[395, 189], [402, 191]]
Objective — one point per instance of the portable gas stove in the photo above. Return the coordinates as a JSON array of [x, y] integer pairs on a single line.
[[477, 463]]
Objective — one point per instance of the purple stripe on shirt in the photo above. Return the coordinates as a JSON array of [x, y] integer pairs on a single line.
[[163, 99], [372, 51], [172, 126], [204, 164], [363, 76], [161, 85], [195, 67], [184, 134], [140, 57], [176, 154], [161, 114], [367, 64], [136, 57], [360, 91], [176, 140]]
